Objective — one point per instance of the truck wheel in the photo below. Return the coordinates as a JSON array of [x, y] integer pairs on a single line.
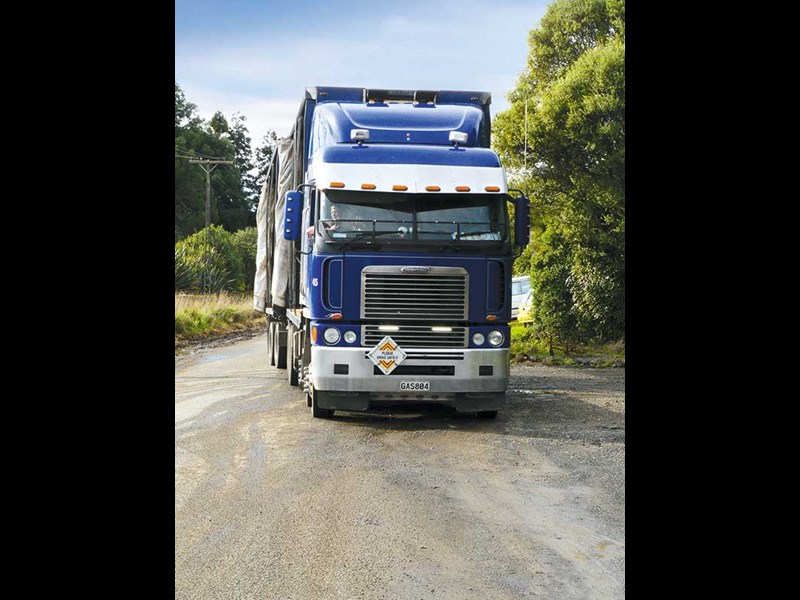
[[487, 414], [270, 343], [279, 352], [319, 413], [291, 360]]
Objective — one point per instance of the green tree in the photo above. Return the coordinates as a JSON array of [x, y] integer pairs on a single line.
[[574, 87], [263, 158], [195, 139], [243, 161], [233, 196], [555, 317]]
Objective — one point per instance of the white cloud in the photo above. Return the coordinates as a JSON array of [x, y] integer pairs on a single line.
[[471, 45]]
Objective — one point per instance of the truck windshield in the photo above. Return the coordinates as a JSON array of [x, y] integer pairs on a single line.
[[380, 216]]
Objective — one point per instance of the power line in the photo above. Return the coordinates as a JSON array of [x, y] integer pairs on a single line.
[[197, 154]]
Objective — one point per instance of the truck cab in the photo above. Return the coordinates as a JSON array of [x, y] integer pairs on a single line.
[[399, 254]]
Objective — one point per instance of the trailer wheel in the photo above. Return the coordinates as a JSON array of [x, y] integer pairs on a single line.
[[291, 361], [487, 414], [279, 352], [270, 343]]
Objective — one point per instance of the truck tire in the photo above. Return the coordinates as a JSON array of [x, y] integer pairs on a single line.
[[270, 342], [319, 413], [487, 414], [291, 358], [279, 352]]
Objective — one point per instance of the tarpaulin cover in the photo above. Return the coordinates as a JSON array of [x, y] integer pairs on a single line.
[[269, 221]]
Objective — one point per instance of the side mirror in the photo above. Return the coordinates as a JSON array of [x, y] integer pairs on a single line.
[[292, 216], [522, 221]]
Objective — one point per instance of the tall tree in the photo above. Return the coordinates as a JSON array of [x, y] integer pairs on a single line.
[[243, 161], [263, 158], [574, 88], [232, 194]]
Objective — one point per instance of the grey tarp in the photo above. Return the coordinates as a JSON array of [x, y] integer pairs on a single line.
[[269, 221]]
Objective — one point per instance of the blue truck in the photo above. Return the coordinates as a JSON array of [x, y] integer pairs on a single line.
[[385, 251]]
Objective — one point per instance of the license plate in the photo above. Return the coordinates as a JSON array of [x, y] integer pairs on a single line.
[[415, 386]]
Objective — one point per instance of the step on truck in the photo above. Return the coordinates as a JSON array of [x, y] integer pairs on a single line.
[[385, 251]]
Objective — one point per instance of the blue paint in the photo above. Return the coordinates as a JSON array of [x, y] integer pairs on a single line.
[[348, 287], [292, 215], [397, 124], [409, 155]]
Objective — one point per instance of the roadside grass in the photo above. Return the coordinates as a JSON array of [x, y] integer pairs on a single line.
[[201, 317], [526, 346]]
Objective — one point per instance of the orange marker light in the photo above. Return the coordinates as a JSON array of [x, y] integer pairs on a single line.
[[492, 188], [337, 184], [367, 186], [491, 317], [462, 188], [399, 188], [336, 316], [314, 334], [433, 188]]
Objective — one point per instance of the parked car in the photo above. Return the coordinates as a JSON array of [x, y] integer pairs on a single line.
[[520, 286], [525, 312]]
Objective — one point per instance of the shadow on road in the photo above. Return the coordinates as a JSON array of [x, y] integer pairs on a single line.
[[533, 414]]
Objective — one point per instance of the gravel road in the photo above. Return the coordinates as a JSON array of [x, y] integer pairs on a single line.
[[417, 503]]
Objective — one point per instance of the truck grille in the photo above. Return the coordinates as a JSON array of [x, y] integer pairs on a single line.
[[420, 294], [416, 336]]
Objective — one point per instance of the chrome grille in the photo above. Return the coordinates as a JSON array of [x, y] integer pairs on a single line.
[[416, 336], [438, 295]]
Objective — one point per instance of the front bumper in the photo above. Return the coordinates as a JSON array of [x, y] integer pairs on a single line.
[[476, 379]]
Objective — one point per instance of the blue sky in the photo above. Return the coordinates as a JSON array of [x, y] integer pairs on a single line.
[[257, 57]]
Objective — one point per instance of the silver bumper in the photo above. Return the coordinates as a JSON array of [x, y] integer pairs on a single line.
[[360, 377]]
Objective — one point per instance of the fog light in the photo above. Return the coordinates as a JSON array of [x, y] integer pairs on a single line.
[[332, 335], [478, 339], [495, 337], [349, 336]]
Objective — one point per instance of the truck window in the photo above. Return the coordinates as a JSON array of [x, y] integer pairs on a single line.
[[414, 217]]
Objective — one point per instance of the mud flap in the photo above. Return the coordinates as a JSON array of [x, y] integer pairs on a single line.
[[355, 401]]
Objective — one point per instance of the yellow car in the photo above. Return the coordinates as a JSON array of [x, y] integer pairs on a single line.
[[525, 313]]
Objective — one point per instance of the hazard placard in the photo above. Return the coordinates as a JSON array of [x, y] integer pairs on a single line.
[[386, 355]]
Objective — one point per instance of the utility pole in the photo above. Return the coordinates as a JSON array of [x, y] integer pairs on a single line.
[[204, 165]]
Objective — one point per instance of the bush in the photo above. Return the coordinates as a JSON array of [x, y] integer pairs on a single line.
[[220, 261], [246, 241]]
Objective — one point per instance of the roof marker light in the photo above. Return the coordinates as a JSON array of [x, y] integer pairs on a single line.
[[432, 188], [462, 188], [399, 188], [492, 188], [337, 184], [367, 186], [458, 137]]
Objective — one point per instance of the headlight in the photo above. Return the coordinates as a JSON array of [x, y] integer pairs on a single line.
[[332, 335], [495, 337], [349, 336], [478, 339]]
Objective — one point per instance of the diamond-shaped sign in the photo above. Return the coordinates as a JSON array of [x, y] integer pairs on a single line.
[[386, 355]]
